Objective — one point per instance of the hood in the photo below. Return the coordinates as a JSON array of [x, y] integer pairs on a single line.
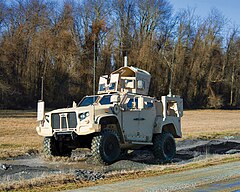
[[72, 109]]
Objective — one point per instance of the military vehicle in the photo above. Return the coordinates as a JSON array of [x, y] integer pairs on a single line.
[[120, 117]]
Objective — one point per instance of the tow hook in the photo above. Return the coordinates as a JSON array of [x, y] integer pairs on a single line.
[[74, 136]]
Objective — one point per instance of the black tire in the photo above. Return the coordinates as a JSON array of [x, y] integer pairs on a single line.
[[164, 147], [105, 147], [49, 146], [124, 152], [52, 147]]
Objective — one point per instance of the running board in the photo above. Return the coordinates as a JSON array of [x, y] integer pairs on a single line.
[[142, 143]]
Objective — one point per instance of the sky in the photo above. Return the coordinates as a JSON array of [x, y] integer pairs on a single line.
[[229, 8]]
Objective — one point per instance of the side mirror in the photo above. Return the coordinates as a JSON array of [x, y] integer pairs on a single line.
[[140, 103], [115, 99], [40, 110]]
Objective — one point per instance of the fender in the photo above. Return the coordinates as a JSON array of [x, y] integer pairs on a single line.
[[98, 118], [112, 119], [171, 125]]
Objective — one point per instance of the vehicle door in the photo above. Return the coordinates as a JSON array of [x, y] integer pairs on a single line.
[[130, 118], [147, 118]]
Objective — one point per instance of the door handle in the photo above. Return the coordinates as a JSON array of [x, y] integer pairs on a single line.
[[138, 119]]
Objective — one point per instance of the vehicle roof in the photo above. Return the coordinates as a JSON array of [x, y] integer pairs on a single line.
[[130, 71]]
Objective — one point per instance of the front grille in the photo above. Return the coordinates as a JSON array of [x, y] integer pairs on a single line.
[[64, 120], [55, 121]]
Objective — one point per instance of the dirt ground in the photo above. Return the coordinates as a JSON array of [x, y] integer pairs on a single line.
[[31, 167]]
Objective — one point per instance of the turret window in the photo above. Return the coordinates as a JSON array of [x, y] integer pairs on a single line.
[[141, 84]]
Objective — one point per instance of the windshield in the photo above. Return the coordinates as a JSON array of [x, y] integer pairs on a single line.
[[88, 101]]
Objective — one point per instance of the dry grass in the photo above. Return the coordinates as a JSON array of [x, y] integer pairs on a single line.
[[210, 123], [18, 135], [37, 184]]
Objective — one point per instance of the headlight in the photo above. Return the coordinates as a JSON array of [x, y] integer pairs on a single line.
[[83, 116]]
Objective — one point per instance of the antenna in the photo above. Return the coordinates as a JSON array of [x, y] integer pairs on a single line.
[[94, 66], [42, 89], [125, 61], [171, 73], [40, 105]]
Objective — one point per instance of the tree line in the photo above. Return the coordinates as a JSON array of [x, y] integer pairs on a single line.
[[199, 57]]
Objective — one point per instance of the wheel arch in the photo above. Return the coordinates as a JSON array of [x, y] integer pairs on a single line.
[[170, 128], [111, 119]]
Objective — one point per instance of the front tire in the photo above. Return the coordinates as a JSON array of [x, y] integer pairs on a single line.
[[164, 147], [105, 147], [52, 147]]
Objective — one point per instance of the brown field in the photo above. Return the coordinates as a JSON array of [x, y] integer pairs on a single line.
[[210, 123], [18, 135]]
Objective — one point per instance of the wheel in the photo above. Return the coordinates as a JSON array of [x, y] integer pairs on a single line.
[[124, 152], [164, 147], [105, 147], [53, 147], [49, 146]]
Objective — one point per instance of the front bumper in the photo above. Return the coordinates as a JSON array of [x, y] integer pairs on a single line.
[[82, 130]]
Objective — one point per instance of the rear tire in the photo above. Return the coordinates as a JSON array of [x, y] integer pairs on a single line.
[[164, 147], [52, 147], [105, 147]]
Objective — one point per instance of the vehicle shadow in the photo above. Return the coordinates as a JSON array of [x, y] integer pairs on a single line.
[[187, 150]]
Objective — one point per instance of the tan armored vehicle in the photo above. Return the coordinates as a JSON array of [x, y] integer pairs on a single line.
[[120, 117]]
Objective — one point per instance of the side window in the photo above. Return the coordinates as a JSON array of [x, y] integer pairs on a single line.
[[130, 104], [148, 104], [105, 100], [102, 87], [128, 84], [141, 84], [171, 109], [112, 86]]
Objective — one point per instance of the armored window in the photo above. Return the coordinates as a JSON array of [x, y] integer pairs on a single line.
[[102, 87], [112, 86], [128, 84], [87, 101], [141, 84], [105, 100], [130, 103], [149, 104], [172, 109]]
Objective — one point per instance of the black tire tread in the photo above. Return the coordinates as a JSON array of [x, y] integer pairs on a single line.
[[97, 147], [158, 147], [51, 148]]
